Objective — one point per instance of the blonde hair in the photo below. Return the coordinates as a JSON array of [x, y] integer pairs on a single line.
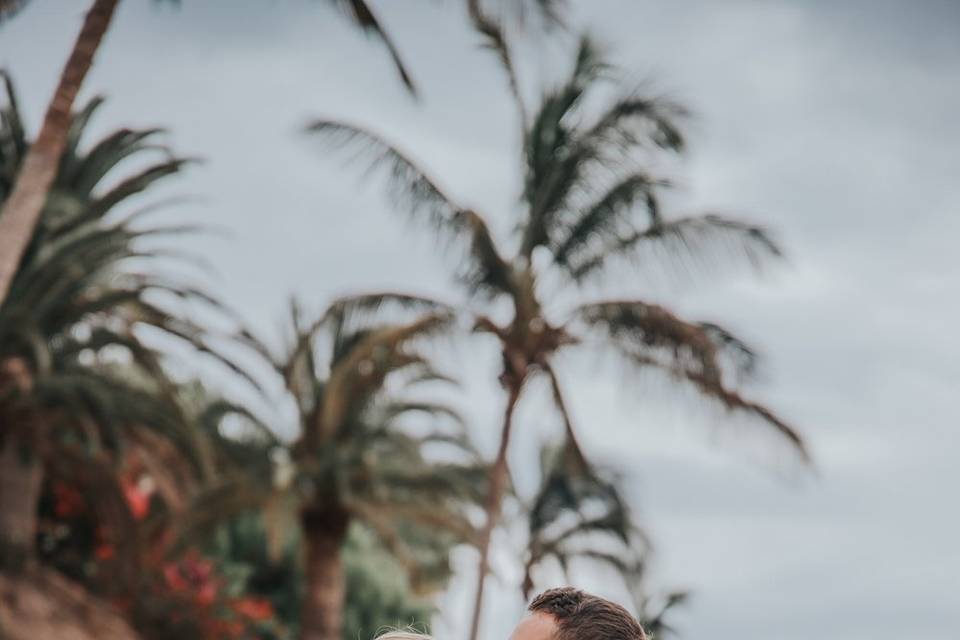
[[403, 635]]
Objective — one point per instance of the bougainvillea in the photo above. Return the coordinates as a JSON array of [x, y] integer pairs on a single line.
[[186, 596]]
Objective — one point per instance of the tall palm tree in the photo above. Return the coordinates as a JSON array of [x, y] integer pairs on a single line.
[[589, 203], [73, 312], [22, 209], [360, 457]]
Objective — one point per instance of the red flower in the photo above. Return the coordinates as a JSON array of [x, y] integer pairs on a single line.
[[254, 608], [226, 629], [174, 579], [104, 552], [67, 501], [206, 594], [137, 500]]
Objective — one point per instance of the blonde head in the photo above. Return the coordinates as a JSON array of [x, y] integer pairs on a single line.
[[403, 635]]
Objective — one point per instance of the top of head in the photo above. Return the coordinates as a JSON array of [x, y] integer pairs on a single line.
[[570, 614]]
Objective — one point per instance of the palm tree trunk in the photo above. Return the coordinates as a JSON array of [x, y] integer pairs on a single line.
[[22, 210], [498, 476], [21, 476], [321, 613]]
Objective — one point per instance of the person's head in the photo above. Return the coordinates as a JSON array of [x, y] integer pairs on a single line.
[[403, 635], [570, 614]]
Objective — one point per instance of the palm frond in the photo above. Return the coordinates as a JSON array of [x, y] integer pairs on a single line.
[[577, 513], [486, 272], [554, 161], [742, 355], [410, 185], [363, 311], [82, 173], [648, 328], [428, 515], [495, 39], [685, 239], [398, 408], [210, 508], [13, 140], [412, 188], [654, 610], [734, 401], [362, 371], [364, 17], [607, 216], [636, 121], [650, 336]]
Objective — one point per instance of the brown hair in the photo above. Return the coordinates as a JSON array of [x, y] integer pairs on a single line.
[[581, 616]]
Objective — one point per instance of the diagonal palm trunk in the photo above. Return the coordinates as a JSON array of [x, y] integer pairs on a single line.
[[498, 476], [22, 210]]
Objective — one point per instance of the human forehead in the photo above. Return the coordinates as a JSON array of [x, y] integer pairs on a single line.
[[535, 626]]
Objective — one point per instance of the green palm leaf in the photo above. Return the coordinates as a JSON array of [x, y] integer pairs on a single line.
[[693, 238]]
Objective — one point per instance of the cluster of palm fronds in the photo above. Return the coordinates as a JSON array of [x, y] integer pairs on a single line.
[[590, 205], [120, 475], [195, 518]]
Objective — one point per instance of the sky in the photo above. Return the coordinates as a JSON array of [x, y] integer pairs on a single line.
[[833, 123]]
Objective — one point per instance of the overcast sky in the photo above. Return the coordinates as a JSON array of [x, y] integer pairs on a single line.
[[835, 123]]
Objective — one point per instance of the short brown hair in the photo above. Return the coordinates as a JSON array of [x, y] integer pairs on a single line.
[[581, 616]]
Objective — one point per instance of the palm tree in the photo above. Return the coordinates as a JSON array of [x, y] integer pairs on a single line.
[[378, 593], [72, 317], [361, 455], [589, 203], [23, 208], [578, 513]]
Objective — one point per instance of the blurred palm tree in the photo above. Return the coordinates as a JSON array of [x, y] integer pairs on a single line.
[[578, 513], [77, 384], [378, 593], [361, 455], [21, 212], [23, 207], [589, 203]]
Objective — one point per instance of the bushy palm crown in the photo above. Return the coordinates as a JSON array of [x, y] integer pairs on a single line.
[[76, 380], [588, 200], [362, 446]]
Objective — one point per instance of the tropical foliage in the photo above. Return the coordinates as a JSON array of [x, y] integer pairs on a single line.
[[363, 451], [191, 516], [75, 312], [578, 514], [590, 203]]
